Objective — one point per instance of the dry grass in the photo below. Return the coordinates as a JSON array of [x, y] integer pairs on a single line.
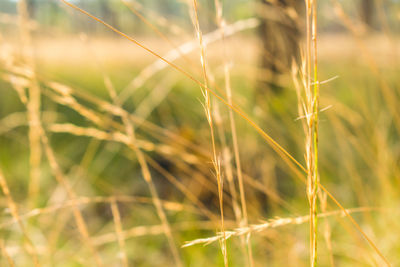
[[139, 171]]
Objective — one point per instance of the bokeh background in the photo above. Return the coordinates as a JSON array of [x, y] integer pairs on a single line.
[[106, 150]]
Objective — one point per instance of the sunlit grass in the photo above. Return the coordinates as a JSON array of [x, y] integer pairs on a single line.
[[145, 180]]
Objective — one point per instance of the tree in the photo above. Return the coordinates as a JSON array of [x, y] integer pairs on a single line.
[[107, 13], [280, 34], [367, 8], [32, 8]]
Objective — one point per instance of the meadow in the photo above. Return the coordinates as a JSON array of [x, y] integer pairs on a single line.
[[162, 150]]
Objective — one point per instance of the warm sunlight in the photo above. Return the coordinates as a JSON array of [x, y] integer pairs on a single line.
[[199, 133]]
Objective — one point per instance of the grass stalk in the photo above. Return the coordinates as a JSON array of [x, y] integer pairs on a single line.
[[119, 232], [315, 131], [312, 106], [209, 116], [28, 246], [228, 90], [33, 105]]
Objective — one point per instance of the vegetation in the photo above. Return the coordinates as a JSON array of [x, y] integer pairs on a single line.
[[195, 133]]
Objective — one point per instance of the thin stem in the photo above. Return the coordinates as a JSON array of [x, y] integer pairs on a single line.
[[316, 118], [33, 104], [228, 90], [208, 111]]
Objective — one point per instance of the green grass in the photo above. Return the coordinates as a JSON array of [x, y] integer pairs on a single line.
[[358, 163]]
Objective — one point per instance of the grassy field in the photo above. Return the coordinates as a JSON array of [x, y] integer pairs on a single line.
[[110, 156]]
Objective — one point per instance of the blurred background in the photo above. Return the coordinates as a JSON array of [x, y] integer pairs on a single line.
[[106, 155]]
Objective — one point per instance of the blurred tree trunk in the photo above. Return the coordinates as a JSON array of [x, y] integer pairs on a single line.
[[107, 13], [280, 35], [31, 6], [367, 12]]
